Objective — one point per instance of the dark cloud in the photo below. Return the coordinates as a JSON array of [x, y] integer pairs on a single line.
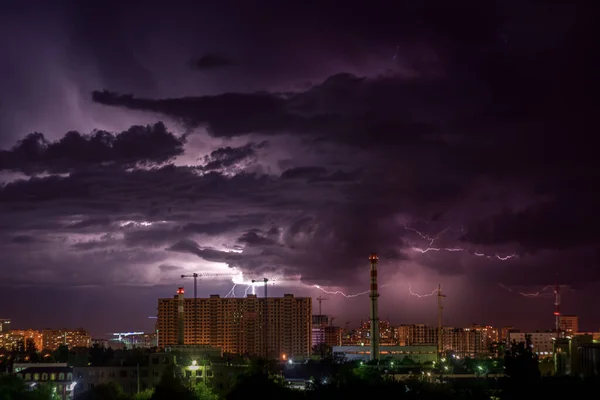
[[554, 224], [24, 239], [255, 238], [169, 268], [211, 61], [143, 145], [425, 123], [90, 223], [304, 173], [230, 156], [442, 139]]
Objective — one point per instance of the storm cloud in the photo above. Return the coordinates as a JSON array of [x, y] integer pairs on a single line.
[[456, 145]]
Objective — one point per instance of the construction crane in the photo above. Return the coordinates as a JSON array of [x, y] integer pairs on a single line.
[[320, 299], [212, 274]]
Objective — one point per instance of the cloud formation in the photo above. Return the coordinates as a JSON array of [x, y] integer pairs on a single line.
[[139, 145], [453, 152]]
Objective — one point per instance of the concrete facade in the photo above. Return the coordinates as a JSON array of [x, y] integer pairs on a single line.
[[256, 326]]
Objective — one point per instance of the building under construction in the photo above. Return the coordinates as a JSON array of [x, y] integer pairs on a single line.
[[273, 327]]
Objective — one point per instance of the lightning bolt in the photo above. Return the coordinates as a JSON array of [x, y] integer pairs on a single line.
[[340, 293], [433, 293], [431, 247], [232, 291], [539, 293], [348, 296]]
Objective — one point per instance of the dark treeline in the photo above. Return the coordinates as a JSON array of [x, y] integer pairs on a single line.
[[330, 379]]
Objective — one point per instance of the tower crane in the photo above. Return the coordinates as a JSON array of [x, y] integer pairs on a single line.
[[320, 299], [212, 274]]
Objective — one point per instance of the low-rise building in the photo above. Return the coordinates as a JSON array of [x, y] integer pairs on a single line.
[[60, 377], [130, 378], [542, 342], [418, 354], [194, 363], [18, 367]]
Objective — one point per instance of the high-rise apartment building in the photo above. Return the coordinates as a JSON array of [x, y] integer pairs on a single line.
[[461, 341], [47, 339], [542, 343], [20, 339], [569, 324], [274, 327], [4, 325], [504, 333], [54, 338]]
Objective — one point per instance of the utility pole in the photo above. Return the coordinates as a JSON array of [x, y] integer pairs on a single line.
[[195, 307], [440, 332]]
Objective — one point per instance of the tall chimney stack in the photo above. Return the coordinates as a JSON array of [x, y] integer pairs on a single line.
[[374, 309], [557, 311], [180, 317]]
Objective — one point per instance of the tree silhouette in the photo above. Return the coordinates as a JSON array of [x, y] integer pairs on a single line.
[[203, 392], [323, 350], [104, 391], [171, 386], [14, 388], [144, 395], [521, 362], [61, 354]]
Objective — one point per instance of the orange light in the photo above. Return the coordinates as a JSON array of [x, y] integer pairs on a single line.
[[283, 356]]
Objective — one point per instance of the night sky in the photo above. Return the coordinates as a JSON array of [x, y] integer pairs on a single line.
[[142, 140]]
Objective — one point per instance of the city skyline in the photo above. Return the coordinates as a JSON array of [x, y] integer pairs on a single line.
[[430, 319], [289, 145]]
